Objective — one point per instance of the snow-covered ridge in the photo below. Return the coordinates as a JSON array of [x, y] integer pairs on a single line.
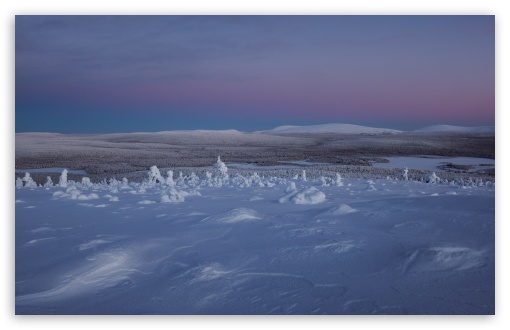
[[202, 131], [333, 128], [456, 129]]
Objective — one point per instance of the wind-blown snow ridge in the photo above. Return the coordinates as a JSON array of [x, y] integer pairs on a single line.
[[333, 128], [236, 215], [456, 129]]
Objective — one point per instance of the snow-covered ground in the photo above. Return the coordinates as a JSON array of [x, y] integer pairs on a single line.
[[224, 244]]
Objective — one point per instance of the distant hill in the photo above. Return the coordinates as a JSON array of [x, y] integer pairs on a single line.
[[456, 129], [333, 128]]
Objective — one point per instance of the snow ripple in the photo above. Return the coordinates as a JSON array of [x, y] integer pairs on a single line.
[[236, 215], [444, 259], [307, 196]]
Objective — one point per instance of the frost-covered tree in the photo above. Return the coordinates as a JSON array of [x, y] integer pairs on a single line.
[[404, 173], [193, 180], [49, 182], [221, 169], [155, 175], [181, 180], [85, 182], [432, 178], [338, 180], [170, 178], [62, 182], [29, 182], [173, 196], [291, 187]]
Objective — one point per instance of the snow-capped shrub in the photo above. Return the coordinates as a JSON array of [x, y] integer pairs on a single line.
[[155, 175], [307, 196], [49, 182], [221, 169], [170, 178], [85, 182], [181, 181], [338, 180], [173, 196], [432, 178], [208, 182], [125, 184], [87, 197], [370, 186], [29, 182], [62, 182], [404, 173], [72, 192], [291, 187], [256, 180], [193, 180]]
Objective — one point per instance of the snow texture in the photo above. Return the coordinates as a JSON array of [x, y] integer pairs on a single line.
[[220, 244]]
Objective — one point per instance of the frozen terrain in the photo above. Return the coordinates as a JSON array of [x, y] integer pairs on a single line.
[[456, 129], [354, 153], [225, 243], [333, 128]]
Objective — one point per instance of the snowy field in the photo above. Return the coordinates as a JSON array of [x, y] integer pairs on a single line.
[[254, 244]]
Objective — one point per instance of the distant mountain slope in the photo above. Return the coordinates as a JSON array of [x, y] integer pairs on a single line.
[[456, 129], [333, 128]]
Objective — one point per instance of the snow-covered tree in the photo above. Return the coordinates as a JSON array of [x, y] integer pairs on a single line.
[[193, 180], [180, 181], [432, 178], [49, 182], [62, 182], [404, 174], [155, 175], [338, 180], [291, 187], [85, 182], [19, 182], [221, 169], [29, 182], [170, 178]]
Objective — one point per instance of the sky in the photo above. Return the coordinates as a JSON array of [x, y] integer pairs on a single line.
[[108, 74]]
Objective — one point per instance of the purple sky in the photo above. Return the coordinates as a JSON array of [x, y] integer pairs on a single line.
[[90, 74]]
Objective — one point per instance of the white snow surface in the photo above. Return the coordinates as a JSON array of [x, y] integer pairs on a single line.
[[404, 247], [333, 128], [456, 129]]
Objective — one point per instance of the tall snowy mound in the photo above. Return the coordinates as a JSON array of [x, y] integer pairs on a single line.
[[456, 129], [333, 128]]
